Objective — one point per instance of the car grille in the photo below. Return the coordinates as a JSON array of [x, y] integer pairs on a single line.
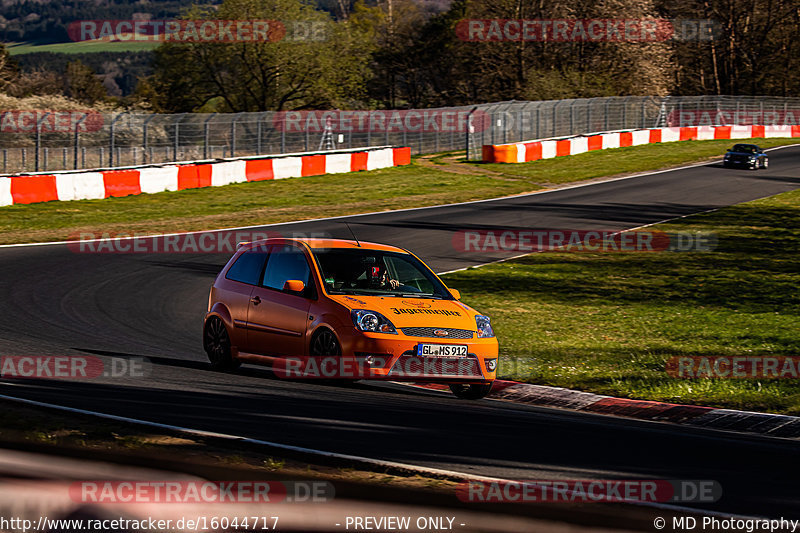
[[429, 332], [409, 365]]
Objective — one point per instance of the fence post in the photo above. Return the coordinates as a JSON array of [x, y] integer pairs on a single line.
[[112, 139], [176, 139], [260, 133], [643, 123], [38, 140], [468, 133], [206, 128], [76, 141], [145, 144], [110, 144], [572, 118]]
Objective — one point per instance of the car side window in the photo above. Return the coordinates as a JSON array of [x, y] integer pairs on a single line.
[[285, 263], [248, 267]]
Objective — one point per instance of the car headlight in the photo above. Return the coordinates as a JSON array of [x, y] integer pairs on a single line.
[[484, 324], [752, 158], [365, 320]]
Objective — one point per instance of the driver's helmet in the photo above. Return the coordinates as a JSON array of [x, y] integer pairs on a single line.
[[375, 275]]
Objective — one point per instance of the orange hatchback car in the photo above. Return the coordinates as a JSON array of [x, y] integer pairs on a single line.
[[339, 309]]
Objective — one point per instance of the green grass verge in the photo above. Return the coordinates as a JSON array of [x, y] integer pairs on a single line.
[[339, 194], [607, 323]]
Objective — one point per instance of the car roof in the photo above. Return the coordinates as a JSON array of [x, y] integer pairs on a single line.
[[745, 144], [315, 243]]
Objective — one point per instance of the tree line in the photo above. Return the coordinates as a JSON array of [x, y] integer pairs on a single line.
[[410, 54]]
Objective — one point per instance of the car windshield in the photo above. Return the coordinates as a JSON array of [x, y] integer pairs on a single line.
[[375, 272], [745, 148]]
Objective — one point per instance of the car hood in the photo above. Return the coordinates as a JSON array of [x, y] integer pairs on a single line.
[[741, 153], [411, 312]]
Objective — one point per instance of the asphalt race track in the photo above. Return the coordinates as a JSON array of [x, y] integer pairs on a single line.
[[55, 301]]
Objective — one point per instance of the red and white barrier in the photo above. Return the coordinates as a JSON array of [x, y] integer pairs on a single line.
[[548, 148], [66, 186]]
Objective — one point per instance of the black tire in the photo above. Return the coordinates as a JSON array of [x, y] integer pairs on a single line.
[[324, 344], [471, 392], [217, 344]]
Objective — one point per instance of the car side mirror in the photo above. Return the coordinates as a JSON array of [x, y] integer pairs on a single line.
[[455, 293], [294, 285]]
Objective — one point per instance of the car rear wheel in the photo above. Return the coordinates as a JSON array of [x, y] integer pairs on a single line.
[[217, 345], [471, 392], [765, 164]]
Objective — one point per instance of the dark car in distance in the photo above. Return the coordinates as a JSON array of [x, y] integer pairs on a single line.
[[746, 156]]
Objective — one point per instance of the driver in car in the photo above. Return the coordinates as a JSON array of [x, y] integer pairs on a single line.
[[379, 278]]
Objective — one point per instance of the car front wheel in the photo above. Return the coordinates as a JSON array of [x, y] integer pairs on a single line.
[[471, 392], [324, 343]]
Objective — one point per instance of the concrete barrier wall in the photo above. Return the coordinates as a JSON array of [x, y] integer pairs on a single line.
[[547, 148], [85, 185]]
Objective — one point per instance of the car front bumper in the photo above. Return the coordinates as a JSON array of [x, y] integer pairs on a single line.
[[394, 357]]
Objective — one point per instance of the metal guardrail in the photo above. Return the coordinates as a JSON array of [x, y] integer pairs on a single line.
[[49, 141], [520, 121]]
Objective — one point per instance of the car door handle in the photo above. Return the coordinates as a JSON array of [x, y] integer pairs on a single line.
[[256, 300]]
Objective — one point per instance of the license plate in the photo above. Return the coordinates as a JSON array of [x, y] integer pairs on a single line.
[[441, 350]]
